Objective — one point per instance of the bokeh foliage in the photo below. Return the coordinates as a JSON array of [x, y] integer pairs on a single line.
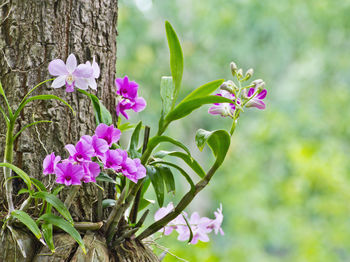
[[285, 186]]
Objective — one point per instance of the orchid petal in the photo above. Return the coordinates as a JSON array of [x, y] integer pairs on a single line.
[[139, 105], [83, 70], [262, 94], [71, 63], [71, 149], [59, 81], [251, 92], [57, 67], [92, 83], [95, 68], [81, 83]]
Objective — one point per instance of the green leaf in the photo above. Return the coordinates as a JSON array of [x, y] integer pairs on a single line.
[[134, 141], [108, 203], [157, 182], [182, 172], [156, 140], [186, 107], [105, 178], [40, 186], [106, 116], [28, 222], [168, 177], [7, 120], [102, 115], [55, 193], [23, 191], [29, 125], [2, 92], [35, 87], [145, 185], [125, 126], [95, 105], [167, 89], [145, 202], [20, 173], [48, 235], [218, 141], [56, 203], [191, 162], [176, 58], [204, 90], [57, 190], [65, 226], [41, 97]]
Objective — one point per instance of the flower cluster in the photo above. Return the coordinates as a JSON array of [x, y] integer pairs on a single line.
[[224, 109], [247, 96], [200, 226], [73, 75], [89, 155], [127, 97]]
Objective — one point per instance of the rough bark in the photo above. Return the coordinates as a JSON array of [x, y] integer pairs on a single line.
[[32, 33]]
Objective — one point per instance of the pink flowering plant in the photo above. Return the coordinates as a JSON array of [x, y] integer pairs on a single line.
[[98, 158]]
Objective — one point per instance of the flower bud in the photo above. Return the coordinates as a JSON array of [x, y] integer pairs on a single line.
[[249, 74], [244, 94], [226, 87], [232, 84], [257, 82], [261, 86], [233, 68], [240, 73]]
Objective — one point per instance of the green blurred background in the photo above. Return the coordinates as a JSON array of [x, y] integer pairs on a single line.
[[285, 185]]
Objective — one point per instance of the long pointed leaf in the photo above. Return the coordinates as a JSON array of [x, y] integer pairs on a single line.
[[134, 141], [41, 97], [35, 87], [191, 162], [167, 89], [168, 177], [157, 182], [204, 90], [182, 172], [28, 222], [48, 235], [105, 178], [40, 186], [29, 125], [185, 108], [176, 58], [7, 120], [65, 226], [218, 141], [2, 92], [56, 203], [156, 140], [19, 172], [102, 115]]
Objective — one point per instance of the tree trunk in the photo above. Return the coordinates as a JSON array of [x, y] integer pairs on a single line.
[[32, 34]]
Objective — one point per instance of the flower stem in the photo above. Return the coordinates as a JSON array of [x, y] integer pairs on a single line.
[[135, 207], [71, 195], [184, 202]]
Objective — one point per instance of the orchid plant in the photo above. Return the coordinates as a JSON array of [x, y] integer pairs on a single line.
[[98, 158]]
